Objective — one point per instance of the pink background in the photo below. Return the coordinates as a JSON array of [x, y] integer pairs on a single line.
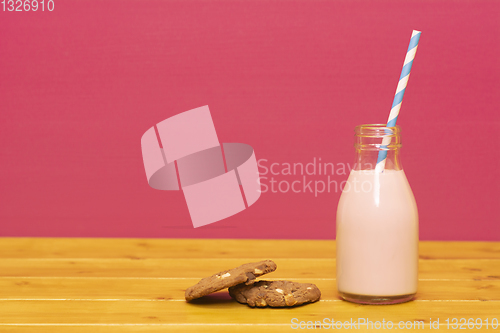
[[80, 85]]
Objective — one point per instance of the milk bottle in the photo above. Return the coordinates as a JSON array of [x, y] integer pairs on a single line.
[[377, 225]]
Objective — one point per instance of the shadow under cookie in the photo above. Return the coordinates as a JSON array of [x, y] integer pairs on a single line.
[[215, 298]]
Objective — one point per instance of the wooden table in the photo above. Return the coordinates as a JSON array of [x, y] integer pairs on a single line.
[[137, 285]]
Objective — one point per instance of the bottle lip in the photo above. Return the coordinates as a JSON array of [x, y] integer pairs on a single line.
[[370, 137], [377, 130]]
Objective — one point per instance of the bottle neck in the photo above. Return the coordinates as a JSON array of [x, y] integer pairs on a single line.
[[370, 140]]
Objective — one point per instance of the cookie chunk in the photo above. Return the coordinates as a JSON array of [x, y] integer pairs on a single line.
[[275, 293], [244, 274]]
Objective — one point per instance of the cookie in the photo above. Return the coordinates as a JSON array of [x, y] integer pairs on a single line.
[[275, 293], [244, 274]]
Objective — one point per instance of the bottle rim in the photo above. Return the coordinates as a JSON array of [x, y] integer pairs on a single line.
[[376, 131], [369, 137]]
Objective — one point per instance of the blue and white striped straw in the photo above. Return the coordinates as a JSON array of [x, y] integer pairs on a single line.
[[398, 98]]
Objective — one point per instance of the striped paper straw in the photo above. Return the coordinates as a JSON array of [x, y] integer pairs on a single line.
[[398, 98]]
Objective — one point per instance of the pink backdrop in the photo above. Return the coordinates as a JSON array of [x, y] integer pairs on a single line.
[[80, 85]]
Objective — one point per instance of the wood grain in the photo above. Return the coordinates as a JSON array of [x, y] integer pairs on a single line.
[[130, 289], [136, 285], [216, 311], [216, 248], [290, 268], [175, 328]]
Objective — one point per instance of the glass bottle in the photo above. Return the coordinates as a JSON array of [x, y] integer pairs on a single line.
[[377, 224]]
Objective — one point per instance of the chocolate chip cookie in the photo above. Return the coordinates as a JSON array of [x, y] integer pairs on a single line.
[[275, 293], [244, 274]]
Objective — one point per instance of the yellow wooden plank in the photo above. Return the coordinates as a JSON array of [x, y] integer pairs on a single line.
[[101, 289], [216, 248], [205, 328], [132, 285], [293, 268], [147, 328], [476, 269], [226, 311], [162, 248], [459, 250]]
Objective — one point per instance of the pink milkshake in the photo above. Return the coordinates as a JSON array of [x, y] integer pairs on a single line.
[[377, 228]]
